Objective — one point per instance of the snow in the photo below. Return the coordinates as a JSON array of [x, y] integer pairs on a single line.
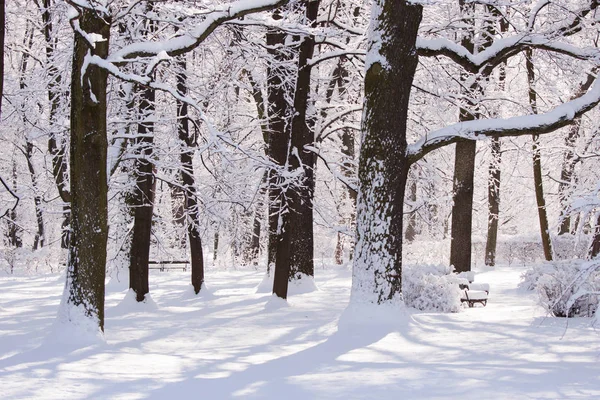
[[237, 343], [482, 129]]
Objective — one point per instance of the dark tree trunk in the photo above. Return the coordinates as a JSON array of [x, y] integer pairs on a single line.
[[57, 147], [493, 203], [537, 163], [301, 198], [383, 166], [464, 166], [143, 199], [279, 132], [462, 210], [189, 183], [86, 266]]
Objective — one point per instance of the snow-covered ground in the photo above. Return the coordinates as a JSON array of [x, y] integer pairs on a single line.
[[233, 342]]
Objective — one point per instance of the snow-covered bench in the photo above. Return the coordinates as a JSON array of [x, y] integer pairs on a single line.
[[474, 296], [475, 293]]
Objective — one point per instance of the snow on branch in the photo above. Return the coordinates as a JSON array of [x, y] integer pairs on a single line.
[[190, 40], [504, 48], [500, 50], [536, 124]]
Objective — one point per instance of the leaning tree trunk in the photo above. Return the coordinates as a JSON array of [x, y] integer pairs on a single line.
[[383, 168], [86, 266], [537, 163], [464, 168], [189, 183]]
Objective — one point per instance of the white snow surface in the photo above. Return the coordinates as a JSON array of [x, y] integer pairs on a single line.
[[236, 343]]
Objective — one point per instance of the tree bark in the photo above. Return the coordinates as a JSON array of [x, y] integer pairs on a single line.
[[383, 168], [86, 266], [143, 199], [278, 131], [493, 202], [145, 185], [537, 164], [464, 165], [301, 197], [189, 182]]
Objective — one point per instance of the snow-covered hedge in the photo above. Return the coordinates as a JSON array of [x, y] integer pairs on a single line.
[[431, 288], [566, 288]]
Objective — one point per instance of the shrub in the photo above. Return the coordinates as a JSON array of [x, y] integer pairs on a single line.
[[431, 288]]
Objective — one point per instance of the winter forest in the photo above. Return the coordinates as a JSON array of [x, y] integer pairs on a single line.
[[303, 199]]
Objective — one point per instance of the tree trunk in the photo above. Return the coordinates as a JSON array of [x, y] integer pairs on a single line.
[[279, 133], [537, 164], [301, 197], [143, 198], [86, 266], [462, 210], [464, 165], [383, 168], [493, 203], [189, 182]]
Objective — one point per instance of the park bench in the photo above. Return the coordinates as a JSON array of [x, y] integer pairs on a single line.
[[169, 265], [474, 293]]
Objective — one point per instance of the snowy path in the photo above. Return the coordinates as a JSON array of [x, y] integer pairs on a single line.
[[235, 343]]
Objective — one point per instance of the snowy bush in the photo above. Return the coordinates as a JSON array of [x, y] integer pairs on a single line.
[[566, 288], [431, 288]]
